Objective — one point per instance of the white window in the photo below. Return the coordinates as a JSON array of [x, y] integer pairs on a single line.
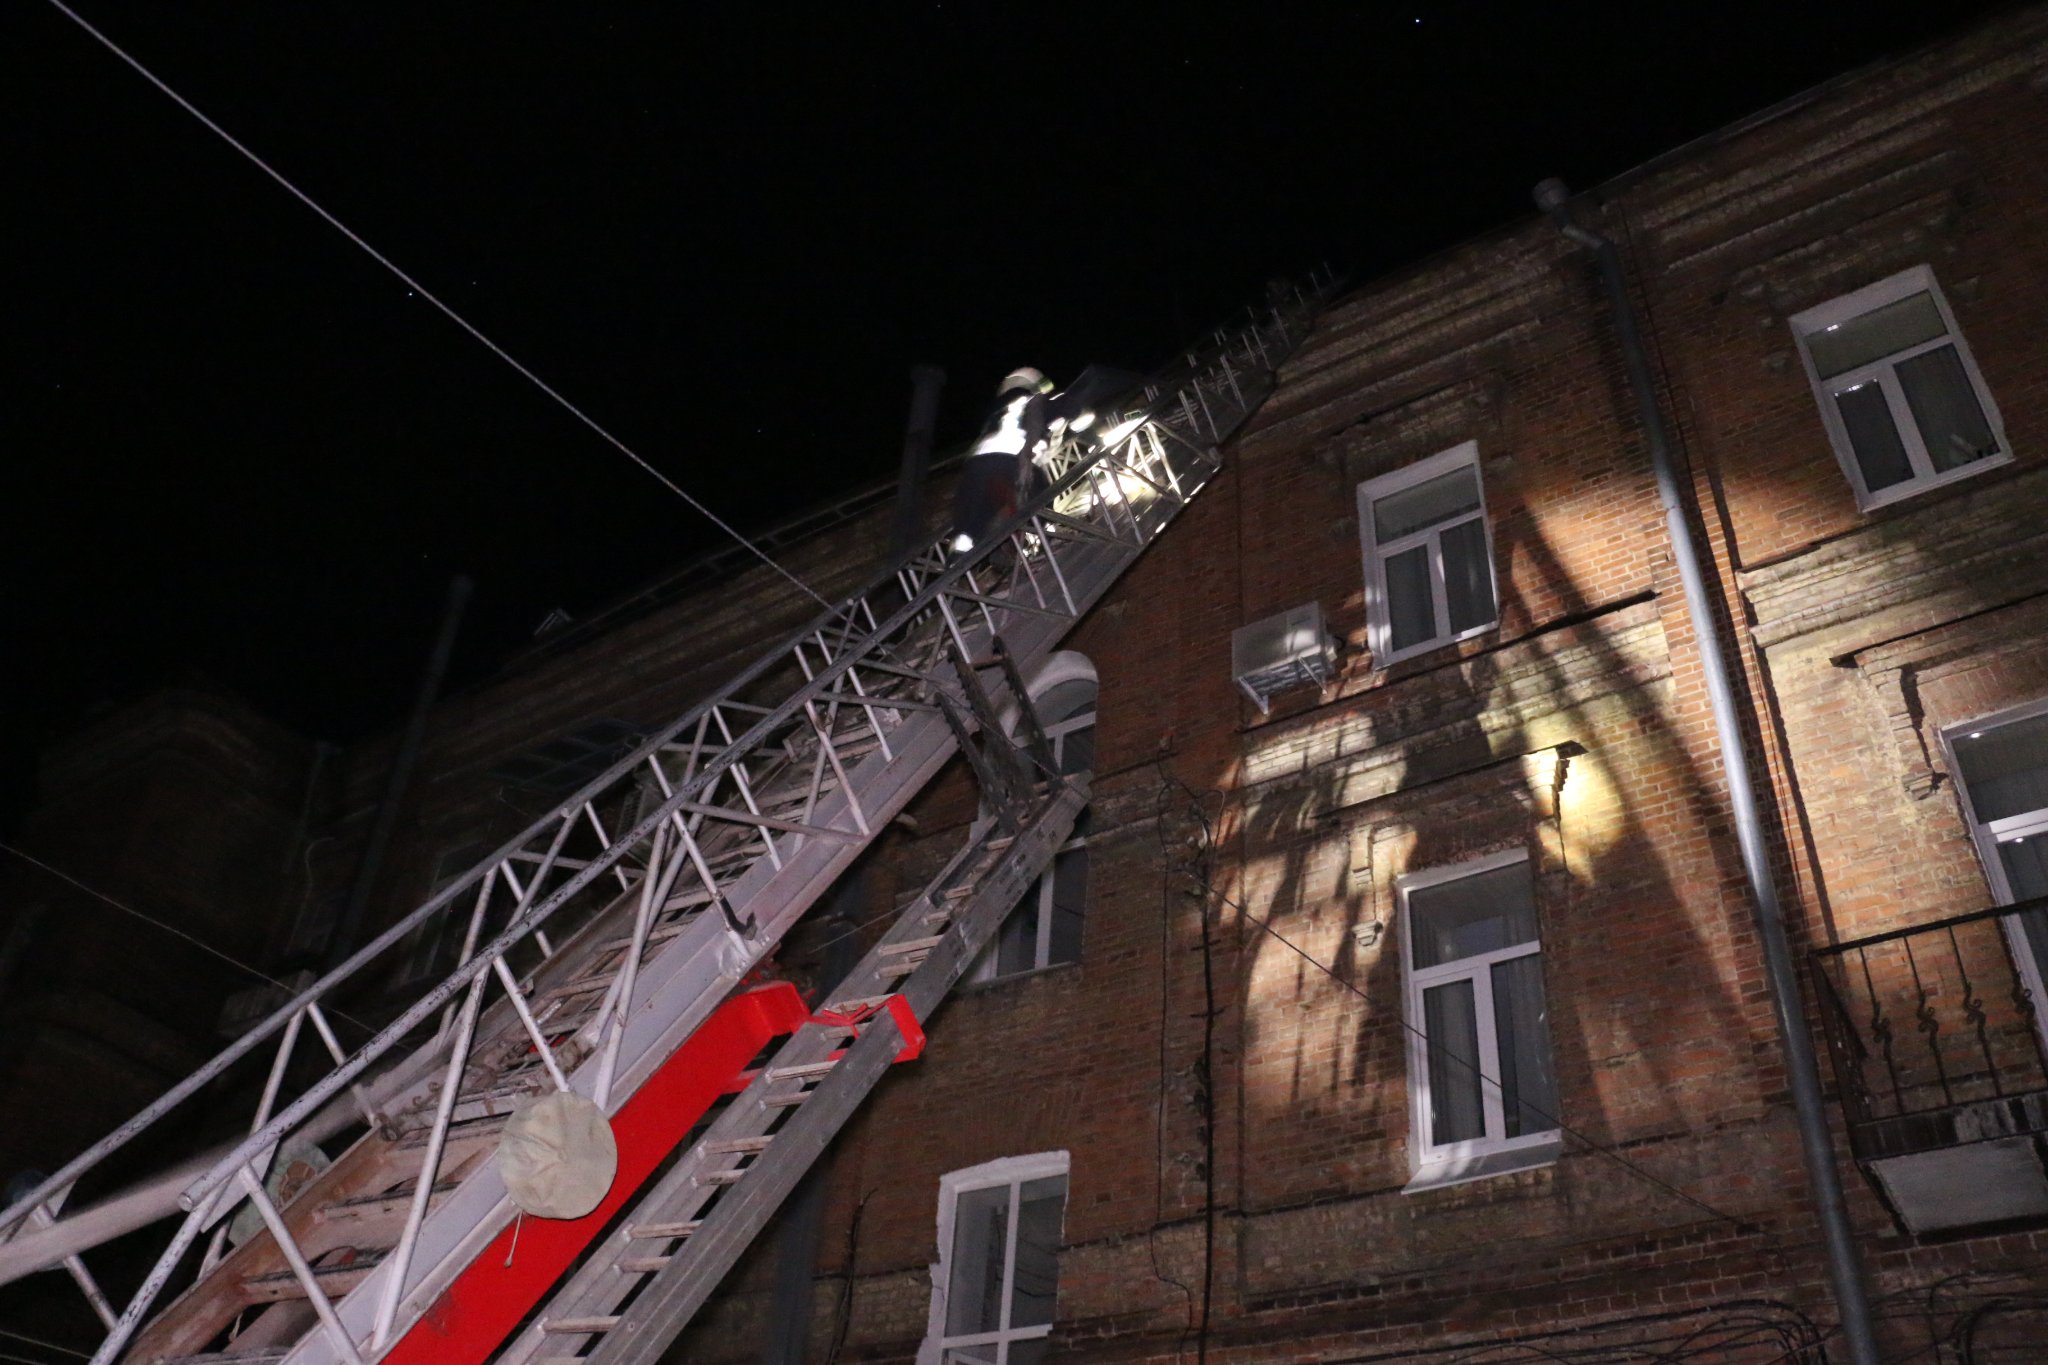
[[998, 1271], [1899, 391], [1483, 1095], [2002, 763], [1044, 929], [1428, 555]]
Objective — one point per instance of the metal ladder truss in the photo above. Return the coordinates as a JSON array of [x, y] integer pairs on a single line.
[[597, 941]]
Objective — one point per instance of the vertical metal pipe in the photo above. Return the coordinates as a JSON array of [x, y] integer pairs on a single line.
[[1845, 1269], [905, 531], [400, 777]]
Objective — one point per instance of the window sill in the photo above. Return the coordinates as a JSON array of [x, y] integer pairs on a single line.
[[1463, 1170], [1906, 492], [1416, 651], [993, 982]]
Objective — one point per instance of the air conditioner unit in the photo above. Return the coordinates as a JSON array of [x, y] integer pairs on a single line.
[[1293, 649]]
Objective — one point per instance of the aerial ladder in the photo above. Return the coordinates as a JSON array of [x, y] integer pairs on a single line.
[[611, 950]]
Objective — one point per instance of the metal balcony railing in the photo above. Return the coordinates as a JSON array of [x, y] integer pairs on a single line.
[[1928, 1022]]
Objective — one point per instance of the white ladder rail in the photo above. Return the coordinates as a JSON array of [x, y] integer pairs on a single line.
[[878, 636]]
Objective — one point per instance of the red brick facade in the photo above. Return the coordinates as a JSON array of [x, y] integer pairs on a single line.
[[1228, 1063], [1578, 732]]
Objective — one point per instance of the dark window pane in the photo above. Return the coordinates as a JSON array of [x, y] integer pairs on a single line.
[[1076, 750], [1069, 904], [1425, 504], [1472, 915], [1945, 408], [1040, 1204], [1450, 1030], [1064, 701], [1028, 1352], [1521, 1026], [2026, 868], [1879, 452], [981, 1229], [2005, 768], [983, 1354], [2034, 935], [1468, 577], [1877, 334], [1017, 940], [1411, 613]]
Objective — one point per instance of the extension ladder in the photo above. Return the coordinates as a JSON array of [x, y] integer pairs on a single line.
[[615, 928]]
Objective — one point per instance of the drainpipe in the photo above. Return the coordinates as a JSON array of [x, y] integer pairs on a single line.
[[400, 777], [1844, 1265], [907, 527]]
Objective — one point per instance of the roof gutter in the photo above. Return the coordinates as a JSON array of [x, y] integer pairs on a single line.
[[1845, 1269]]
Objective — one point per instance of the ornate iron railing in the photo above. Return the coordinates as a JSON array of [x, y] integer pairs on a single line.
[[1929, 1019]]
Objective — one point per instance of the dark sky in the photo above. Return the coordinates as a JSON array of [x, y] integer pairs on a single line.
[[237, 450]]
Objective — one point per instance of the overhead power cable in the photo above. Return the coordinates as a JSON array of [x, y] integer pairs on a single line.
[[578, 413], [169, 928]]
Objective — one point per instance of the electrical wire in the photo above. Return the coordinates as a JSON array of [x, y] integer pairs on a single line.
[[1209, 888], [199, 943], [46, 1345], [578, 413]]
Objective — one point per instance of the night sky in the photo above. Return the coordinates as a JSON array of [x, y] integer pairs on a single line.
[[238, 452]]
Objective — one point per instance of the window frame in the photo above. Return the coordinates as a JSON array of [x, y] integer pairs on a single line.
[[1987, 835], [1066, 667], [1434, 1163], [1014, 1172], [1853, 305], [1379, 619]]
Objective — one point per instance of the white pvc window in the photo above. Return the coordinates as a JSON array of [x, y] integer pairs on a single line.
[[994, 1288], [1480, 1077], [1428, 555], [1899, 392], [1044, 930], [2002, 766]]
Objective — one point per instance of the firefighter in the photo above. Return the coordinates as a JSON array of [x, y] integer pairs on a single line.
[[996, 468]]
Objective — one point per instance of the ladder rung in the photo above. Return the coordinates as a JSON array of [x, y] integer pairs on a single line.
[[334, 1280], [657, 935], [857, 1003], [644, 1265], [459, 1132], [662, 1232], [1000, 842], [901, 967], [960, 892], [789, 1100], [728, 1177], [800, 1071], [579, 1326], [910, 945], [740, 1144]]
